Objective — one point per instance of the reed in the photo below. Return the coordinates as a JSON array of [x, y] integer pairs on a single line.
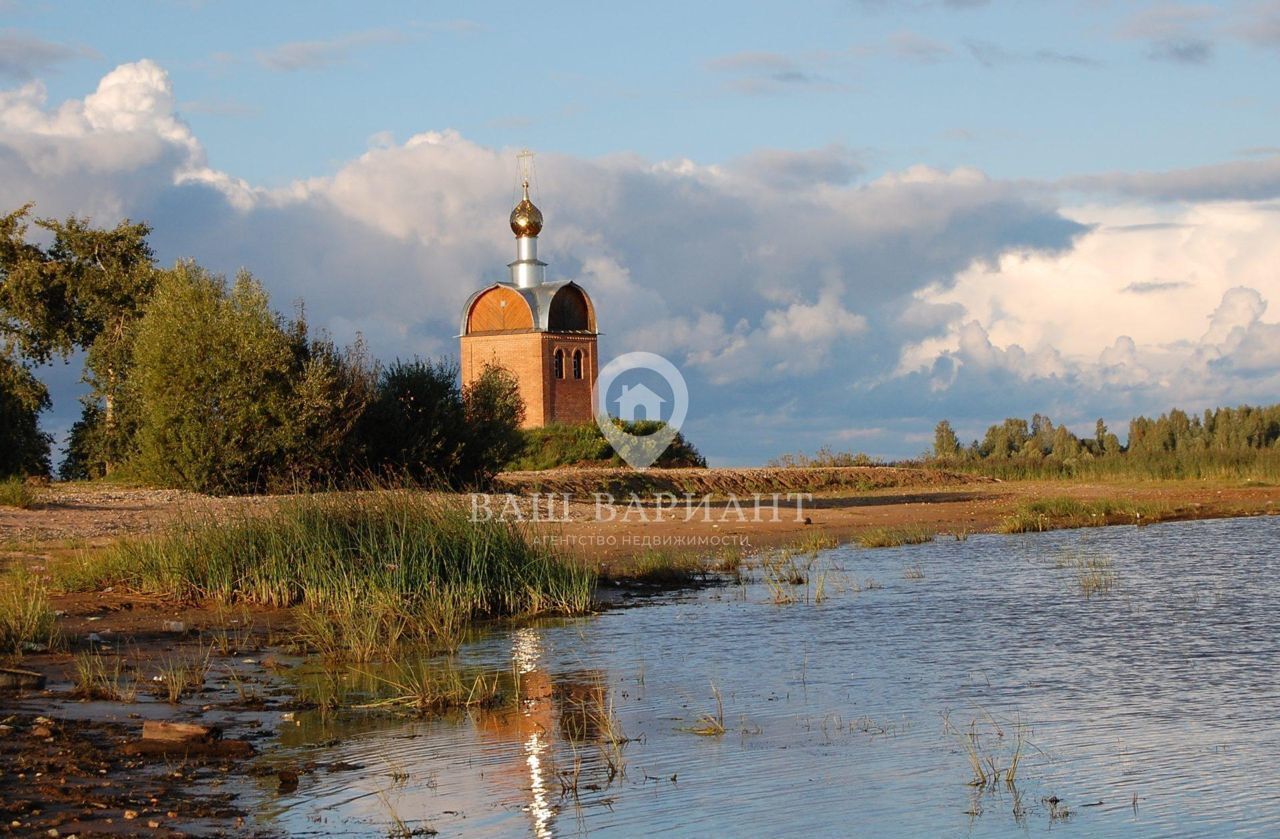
[[657, 568], [892, 537], [1061, 513], [440, 686], [180, 675], [26, 616], [914, 572], [96, 677], [711, 725], [379, 565]]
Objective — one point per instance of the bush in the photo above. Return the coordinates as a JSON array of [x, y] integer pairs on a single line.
[[416, 423], [14, 492]]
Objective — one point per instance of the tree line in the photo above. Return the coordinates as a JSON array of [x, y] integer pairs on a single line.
[[1221, 442], [197, 383]]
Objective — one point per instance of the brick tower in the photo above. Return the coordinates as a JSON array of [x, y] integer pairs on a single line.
[[544, 333]]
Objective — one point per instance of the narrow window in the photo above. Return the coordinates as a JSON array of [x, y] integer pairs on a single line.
[[577, 364], [559, 364]]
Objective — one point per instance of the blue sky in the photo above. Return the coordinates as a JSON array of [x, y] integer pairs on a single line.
[[844, 220]]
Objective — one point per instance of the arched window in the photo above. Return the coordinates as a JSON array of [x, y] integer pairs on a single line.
[[559, 364], [577, 364]]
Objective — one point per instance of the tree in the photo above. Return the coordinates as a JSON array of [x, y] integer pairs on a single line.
[[331, 389], [212, 375], [24, 449], [946, 445], [85, 291]]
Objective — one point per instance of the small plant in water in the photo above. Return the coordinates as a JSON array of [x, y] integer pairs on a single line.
[[96, 677], [711, 725]]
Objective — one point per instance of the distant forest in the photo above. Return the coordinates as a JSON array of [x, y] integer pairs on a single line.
[[1241, 442]]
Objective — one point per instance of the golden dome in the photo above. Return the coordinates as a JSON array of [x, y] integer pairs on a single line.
[[526, 219]]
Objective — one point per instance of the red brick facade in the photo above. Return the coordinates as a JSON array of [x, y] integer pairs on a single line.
[[531, 357]]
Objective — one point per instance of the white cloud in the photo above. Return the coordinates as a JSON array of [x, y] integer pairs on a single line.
[[787, 287]]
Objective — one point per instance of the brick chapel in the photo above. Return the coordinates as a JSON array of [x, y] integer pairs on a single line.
[[543, 332]]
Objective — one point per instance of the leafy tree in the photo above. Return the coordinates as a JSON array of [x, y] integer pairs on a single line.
[[212, 369], [24, 449], [85, 291], [946, 445], [331, 389]]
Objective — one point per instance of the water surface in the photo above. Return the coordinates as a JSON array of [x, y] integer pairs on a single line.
[[1148, 709]]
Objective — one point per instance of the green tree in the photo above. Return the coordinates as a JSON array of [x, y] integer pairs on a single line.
[[24, 449], [212, 376], [85, 291], [331, 388], [946, 445]]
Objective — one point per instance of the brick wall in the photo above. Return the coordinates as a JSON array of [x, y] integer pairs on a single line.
[[530, 357]]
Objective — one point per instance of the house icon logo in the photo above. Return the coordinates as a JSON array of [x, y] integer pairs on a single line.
[[639, 399], [640, 451]]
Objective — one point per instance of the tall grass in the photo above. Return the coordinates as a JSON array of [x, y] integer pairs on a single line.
[[26, 617], [376, 565], [1058, 513], [892, 537], [14, 492]]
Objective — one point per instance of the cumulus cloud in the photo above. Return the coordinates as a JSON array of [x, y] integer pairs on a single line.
[[800, 296], [1199, 338]]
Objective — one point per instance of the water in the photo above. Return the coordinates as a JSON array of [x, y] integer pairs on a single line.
[[1163, 689]]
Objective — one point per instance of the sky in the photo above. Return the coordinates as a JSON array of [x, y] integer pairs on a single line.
[[843, 221]]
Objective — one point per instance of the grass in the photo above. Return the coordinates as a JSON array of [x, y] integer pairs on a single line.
[[369, 569], [26, 616], [711, 725], [657, 568], [14, 492], [97, 677], [1094, 573], [439, 686], [893, 537], [993, 756], [181, 675], [1062, 512]]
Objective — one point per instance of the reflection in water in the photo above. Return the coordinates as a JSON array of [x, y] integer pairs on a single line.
[[1150, 708]]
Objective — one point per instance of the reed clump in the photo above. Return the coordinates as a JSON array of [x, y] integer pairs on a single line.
[[369, 569], [892, 537], [1061, 513], [26, 617], [658, 568], [100, 677]]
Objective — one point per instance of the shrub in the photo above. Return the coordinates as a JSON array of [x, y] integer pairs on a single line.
[[14, 492]]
